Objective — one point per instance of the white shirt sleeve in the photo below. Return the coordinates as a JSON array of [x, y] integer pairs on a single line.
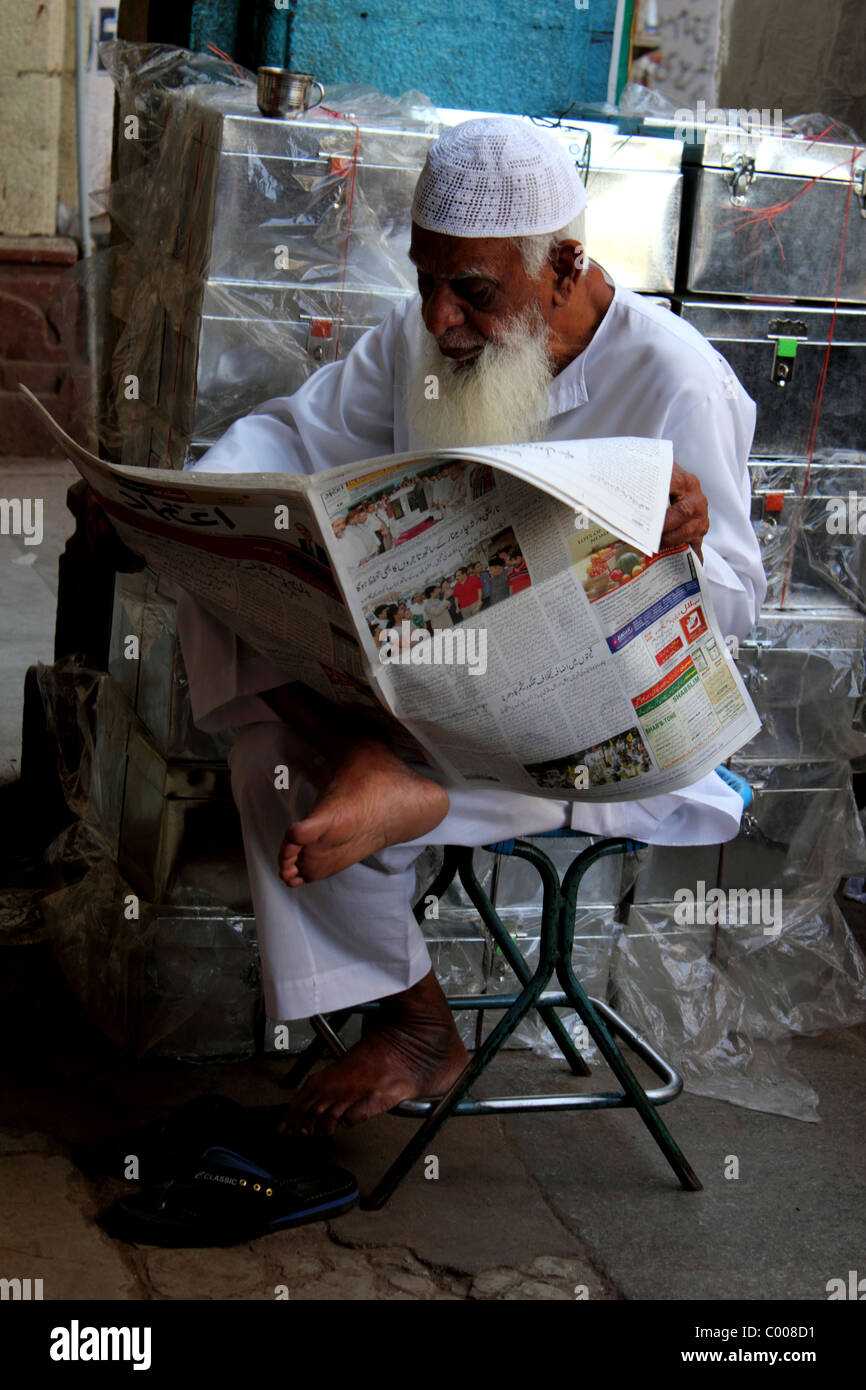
[[712, 440]]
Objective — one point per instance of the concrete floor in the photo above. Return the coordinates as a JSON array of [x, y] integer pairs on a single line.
[[528, 1208], [28, 588]]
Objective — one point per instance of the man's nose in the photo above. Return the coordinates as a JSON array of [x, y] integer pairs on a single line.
[[441, 311]]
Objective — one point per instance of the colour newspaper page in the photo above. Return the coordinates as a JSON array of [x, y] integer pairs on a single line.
[[525, 644], [521, 638]]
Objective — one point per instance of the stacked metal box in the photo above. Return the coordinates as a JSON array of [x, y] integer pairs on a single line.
[[191, 986], [766, 220]]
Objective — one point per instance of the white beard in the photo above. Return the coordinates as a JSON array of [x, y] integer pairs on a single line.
[[500, 397]]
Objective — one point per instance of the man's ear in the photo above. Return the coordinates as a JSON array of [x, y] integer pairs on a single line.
[[566, 261]]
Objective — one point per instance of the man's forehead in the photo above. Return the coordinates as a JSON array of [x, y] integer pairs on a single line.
[[457, 255]]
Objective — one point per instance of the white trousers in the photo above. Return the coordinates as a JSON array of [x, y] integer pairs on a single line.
[[352, 937]]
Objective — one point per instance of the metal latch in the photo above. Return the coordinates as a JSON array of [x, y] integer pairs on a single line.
[[786, 333], [321, 339], [860, 188], [581, 150], [742, 173]]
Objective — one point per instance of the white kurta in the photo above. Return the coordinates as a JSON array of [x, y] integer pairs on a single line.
[[645, 372]]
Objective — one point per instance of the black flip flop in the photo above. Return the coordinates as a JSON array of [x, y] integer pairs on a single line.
[[228, 1199], [167, 1148]]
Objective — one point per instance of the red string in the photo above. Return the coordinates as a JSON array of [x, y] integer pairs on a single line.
[[339, 115], [822, 379], [816, 138], [226, 59], [765, 216]]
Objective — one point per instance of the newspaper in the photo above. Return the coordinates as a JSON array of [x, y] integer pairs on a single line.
[[506, 606]]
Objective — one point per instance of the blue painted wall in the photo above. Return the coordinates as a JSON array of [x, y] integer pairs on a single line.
[[498, 55]]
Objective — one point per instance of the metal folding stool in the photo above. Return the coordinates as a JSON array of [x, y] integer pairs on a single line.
[[559, 903]]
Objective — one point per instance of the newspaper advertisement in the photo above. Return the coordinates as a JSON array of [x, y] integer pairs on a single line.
[[506, 605]]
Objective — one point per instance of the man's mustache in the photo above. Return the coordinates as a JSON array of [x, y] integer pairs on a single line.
[[459, 344]]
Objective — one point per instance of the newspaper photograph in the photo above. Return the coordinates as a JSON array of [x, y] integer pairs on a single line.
[[507, 606]]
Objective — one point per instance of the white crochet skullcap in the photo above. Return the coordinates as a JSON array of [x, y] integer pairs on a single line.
[[497, 176]]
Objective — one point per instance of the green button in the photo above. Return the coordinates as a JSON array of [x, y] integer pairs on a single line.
[[787, 347]]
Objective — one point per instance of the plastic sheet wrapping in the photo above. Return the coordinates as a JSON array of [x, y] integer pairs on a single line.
[[801, 833], [817, 124], [667, 987], [170, 823], [804, 669], [802, 515], [256, 249], [721, 1002], [159, 982], [86, 718]]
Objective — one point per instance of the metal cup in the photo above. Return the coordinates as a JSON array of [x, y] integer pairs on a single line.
[[284, 93]]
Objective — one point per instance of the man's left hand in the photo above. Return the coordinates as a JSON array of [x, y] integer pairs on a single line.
[[687, 518]]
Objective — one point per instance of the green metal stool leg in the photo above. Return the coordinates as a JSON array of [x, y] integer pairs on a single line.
[[442, 881], [598, 1030], [494, 924]]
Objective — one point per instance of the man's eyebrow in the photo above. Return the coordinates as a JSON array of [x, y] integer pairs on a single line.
[[477, 273], [471, 273]]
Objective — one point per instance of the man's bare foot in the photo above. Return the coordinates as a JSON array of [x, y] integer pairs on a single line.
[[413, 1049], [374, 800]]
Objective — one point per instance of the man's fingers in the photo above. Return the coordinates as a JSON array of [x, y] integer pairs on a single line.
[[689, 530], [684, 537], [687, 518], [690, 506]]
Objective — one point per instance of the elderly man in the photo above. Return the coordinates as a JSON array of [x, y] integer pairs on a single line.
[[528, 339]]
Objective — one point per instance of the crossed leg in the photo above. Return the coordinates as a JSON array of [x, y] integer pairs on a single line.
[[349, 936]]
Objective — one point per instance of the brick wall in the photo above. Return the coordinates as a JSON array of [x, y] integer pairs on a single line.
[[37, 341]]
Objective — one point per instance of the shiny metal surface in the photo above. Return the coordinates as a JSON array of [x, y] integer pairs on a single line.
[[281, 92], [180, 835], [804, 670], [806, 518], [769, 213], [747, 336], [801, 830], [801, 833], [258, 341]]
